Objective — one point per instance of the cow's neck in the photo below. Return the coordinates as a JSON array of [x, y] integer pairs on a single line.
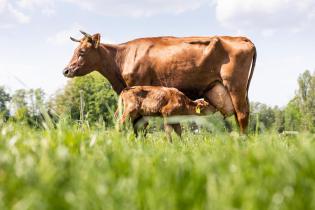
[[110, 68]]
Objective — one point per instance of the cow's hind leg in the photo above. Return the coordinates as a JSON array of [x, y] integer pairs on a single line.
[[236, 77], [238, 93], [241, 106]]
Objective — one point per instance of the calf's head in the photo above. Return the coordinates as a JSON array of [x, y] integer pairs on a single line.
[[86, 57], [201, 104], [203, 107]]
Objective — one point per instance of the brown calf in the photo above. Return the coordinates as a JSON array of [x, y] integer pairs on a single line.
[[139, 101]]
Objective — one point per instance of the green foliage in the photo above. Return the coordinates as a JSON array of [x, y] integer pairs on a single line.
[[279, 120], [305, 98], [262, 117], [292, 116], [77, 166], [71, 168], [4, 99], [99, 99], [27, 106], [298, 115], [19, 105]]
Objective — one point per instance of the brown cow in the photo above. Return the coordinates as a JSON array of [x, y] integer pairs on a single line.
[[217, 68], [140, 101]]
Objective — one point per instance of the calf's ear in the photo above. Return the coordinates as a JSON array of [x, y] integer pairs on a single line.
[[96, 38], [198, 109]]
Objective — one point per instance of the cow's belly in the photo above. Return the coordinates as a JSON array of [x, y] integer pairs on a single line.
[[192, 83], [185, 71]]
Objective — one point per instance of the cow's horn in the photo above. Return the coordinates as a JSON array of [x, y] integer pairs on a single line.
[[73, 39], [85, 34]]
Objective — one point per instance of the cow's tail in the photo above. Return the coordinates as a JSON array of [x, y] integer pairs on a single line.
[[252, 68]]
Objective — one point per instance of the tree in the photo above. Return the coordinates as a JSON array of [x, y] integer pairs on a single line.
[[292, 116], [262, 117], [36, 105], [91, 94], [4, 99], [19, 105], [305, 99], [279, 120], [27, 106]]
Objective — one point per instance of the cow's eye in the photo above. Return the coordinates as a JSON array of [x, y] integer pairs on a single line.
[[81, 52]]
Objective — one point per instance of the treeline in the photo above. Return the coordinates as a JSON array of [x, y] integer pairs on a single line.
[[88, 99], [297, 115], [91, 100]]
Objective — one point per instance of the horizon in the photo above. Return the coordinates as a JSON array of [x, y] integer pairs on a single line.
[[36, 46]]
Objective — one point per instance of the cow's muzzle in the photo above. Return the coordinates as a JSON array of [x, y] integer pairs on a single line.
[[67, 72]]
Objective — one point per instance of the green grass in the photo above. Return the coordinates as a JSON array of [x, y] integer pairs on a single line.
[[71, 168]]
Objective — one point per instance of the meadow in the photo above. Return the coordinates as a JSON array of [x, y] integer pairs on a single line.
[[76, 167]]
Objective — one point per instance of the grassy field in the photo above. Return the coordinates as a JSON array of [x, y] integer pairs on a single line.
[[72, 168]]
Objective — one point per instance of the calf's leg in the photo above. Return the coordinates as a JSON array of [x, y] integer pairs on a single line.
[[168, 130], [124, 117], [178, 129], [131, 114], [140, 124]]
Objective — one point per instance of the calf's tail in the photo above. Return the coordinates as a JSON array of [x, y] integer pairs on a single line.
[[119, 112]]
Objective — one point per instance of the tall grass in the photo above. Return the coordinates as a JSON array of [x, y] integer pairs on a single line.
[[73, 167]]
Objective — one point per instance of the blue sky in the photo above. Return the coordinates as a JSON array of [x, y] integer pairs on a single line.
[[35, 45]]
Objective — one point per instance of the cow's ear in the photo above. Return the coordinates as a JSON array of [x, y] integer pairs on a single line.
[[96, 40]]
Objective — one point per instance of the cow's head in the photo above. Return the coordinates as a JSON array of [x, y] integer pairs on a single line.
[[86, 57]]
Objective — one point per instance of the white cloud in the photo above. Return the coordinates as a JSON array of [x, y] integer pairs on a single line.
[[19, 16], [31, 4], [19, 11], [138, 8], [135, 8], [45, 6], [62, 37], [10, 14], [265, 15], [3, 4]]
